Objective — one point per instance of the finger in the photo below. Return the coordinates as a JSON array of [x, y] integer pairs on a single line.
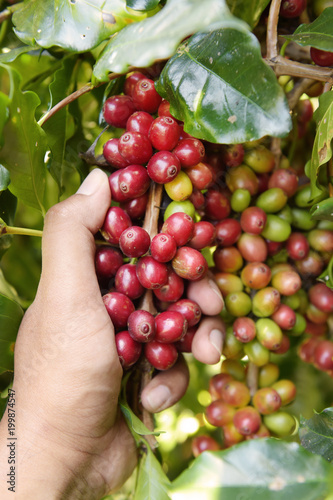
[[208, 340], [207, 295], [68, 243], [167, 388]]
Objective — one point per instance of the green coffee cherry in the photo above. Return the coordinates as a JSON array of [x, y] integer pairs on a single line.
[[303, 197], [269, 333], [232, 348], [238, 304], [240, 200], [292, 301], [256, 352], [272, 200], [302, 219], [281, 423], [276, 229], [179, 206], [260, 159], [265, 302], [286, 390], [299, 327], [268, 374]]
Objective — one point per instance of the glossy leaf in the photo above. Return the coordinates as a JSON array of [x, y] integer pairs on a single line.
[[142, 4], [13, 54], [7, 289], [218, 84], [316, 433], [8, 203], [327, 275], [24, 145], [323, 210], [4, 178], [76, 25], [322, 149], [141, 44], [318, 34], [55, 127], [248, 10], [259, 468], [11, 314], [152, 483], [6, 356], [4, 103], [134, 422]]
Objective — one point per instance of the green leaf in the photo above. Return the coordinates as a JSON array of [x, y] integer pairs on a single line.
[[142, 4], [4, 103], [267, 469], [323, 210], [158, 37], [221, 88], [6, 355], [316, 433], [4, 178], [13, 54], [72, 25], [152, 483], [327, 275], [24, 145], [6, 289], [8, 203], [55, 127], [134, 422], [318, 34], [248, 10], [11, 314], [322, 150]]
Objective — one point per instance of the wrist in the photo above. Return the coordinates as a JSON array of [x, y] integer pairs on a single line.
[[35, 465]]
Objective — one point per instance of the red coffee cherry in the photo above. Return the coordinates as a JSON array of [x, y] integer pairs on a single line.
[[128, 349], [117, 109], [161, 356]]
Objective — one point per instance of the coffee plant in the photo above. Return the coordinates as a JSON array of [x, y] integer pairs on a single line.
[[213, 120]]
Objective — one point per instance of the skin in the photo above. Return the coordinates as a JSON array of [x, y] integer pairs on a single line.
[[72, 441]]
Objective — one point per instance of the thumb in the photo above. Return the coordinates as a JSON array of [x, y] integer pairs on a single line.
[[68, 246]]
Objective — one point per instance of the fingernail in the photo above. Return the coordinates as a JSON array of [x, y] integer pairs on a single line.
[[216, 339], [213, 286], [158, 398], [92, 182]]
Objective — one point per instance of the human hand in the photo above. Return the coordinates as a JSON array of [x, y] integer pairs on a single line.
[[72, 439]]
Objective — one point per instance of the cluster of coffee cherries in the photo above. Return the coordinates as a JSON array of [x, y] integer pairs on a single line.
[[265, 250], [242, 417], [151, 150]]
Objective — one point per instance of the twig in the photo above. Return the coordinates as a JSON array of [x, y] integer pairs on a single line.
[[283, 66], [19, 230], [272, 35], [75, 95], [252, 377], [67, 100], [150, 223], [145, 369], [5, 14], [276, 150], [299, 88]]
